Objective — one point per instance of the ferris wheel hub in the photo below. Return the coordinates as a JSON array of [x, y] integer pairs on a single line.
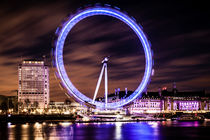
[[106, 59]]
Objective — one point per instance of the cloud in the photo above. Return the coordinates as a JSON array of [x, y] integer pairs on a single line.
[[184, 71], [181, 52], [25, 34]]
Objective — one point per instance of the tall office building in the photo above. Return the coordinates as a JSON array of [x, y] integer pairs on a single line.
[[33, 84]]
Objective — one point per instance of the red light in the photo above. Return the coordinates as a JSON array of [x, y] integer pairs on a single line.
[[164, 88]]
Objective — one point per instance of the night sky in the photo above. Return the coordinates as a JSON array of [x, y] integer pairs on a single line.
[[178, 31]]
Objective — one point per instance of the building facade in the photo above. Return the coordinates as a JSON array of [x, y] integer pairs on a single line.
[[33, 86], [163, 101], [169, 101]]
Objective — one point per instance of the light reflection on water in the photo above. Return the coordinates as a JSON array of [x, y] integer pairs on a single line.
[[112, 130], [118, 128]]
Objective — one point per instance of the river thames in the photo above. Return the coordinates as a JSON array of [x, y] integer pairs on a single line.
[[106, 131]]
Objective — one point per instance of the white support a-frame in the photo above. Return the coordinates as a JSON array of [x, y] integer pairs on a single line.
[[103, 70]]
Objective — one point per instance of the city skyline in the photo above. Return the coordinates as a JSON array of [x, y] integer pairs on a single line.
[[179, 38]]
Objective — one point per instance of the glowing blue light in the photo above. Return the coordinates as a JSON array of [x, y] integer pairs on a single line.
[[92, 11]]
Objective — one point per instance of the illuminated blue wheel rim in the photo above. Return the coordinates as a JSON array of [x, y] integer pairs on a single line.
[[58, 54]]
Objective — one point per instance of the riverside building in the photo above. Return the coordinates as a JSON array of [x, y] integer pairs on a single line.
[[33, 86], [164, 101], [171, 101]]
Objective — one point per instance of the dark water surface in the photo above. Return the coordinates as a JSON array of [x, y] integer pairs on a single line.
[[106, 131]]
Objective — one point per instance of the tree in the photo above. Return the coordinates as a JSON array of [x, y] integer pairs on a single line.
[[67, 101], [27, 102], [11, 105], [20, 106], [4, 106], [36, 104]]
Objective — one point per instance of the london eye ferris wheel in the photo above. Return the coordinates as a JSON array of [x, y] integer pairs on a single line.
[[61, 34]]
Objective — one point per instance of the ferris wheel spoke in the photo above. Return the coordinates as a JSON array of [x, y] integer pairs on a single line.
[[106, 84], [98, 84]]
